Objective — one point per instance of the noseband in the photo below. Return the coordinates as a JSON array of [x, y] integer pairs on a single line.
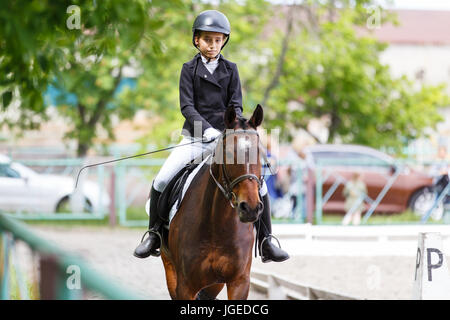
[[228, 184]]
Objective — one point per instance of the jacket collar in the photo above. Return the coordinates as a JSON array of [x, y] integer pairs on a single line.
[[220, 72]]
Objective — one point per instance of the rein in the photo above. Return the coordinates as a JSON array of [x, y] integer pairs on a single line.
[[142, 154]]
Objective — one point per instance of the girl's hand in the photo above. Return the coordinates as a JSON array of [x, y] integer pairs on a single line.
[[211, 134]]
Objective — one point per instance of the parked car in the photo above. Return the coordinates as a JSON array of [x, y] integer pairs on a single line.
[[24, 190], [411, 188]]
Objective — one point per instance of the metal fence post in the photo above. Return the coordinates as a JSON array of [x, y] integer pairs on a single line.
[[121, 195], [49, 274], [101, 179], [319, 194], [4, 265], [310, 196], [53, 282], [299, 212], [112, 205]]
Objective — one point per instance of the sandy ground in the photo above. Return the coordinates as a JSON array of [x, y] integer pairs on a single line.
[[357, 269]]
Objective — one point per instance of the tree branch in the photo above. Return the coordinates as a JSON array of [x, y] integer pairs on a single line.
[[331, 10], [81, 111], [279, 69], [102, 103]]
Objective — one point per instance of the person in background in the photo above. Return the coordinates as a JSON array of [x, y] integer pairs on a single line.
[[271, 179], [440, 170], [354, 192], [441, 165]]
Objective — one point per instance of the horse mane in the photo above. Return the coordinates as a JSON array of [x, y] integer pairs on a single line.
[[243, 122]]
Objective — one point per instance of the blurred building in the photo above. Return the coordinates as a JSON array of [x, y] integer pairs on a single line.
[[419, 47]]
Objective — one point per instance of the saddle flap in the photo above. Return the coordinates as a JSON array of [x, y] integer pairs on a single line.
[[173, 191]]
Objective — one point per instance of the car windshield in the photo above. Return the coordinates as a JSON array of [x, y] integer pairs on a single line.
[[24, 171], [348, 158], [7, 172]]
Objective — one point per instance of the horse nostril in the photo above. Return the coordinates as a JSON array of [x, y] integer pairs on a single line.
[[260, 206], [243, 206]]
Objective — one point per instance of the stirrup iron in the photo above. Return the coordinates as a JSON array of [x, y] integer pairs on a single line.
[[157, 252], [265, 239]]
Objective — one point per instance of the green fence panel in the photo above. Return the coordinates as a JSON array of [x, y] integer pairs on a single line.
[[90, 279]]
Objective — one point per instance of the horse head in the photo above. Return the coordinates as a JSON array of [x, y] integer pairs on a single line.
[[241, 165]]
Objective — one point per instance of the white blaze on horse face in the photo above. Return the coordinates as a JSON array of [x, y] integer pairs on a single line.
[[242, 148], [244, 144], [246, 151]]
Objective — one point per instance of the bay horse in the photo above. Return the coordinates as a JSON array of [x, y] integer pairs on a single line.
[[211, 236]]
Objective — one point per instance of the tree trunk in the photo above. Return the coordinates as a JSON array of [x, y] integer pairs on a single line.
[[335, 121], [91, 122], [280, 64], [82, 149]]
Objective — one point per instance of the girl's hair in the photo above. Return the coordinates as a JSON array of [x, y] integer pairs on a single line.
[[198, 33]]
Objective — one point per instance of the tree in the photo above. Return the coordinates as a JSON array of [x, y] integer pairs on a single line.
[[319, 67], [39, 47], [153, 37]]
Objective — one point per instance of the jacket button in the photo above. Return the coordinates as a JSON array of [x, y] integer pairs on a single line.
[[205, 76]]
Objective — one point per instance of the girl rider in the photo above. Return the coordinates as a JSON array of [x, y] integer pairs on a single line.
[[208, 85]]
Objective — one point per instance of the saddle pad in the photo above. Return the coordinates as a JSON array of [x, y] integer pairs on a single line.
[[189, 179]]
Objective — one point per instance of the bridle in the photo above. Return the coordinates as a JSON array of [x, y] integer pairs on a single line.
[[228, 185]]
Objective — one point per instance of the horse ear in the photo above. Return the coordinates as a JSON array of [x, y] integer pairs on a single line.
[[257, 117], [229, 117]]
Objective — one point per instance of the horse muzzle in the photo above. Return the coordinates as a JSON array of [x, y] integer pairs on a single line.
[[248, 214]]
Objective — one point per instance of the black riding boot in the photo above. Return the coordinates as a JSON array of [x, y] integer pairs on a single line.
[[267, 250], [153, 242]]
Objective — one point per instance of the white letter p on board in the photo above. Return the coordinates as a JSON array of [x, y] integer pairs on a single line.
[[431, 277]]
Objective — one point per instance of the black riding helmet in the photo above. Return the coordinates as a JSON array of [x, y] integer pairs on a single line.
[[211, 20]]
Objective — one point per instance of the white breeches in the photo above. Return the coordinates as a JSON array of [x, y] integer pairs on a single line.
[[181, 156]]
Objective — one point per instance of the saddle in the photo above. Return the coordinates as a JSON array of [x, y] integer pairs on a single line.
[[174, 191]]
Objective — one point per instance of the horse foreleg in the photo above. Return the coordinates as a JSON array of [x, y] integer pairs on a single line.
[[211, 292], [171, 275], [184, 291], [238, 289]]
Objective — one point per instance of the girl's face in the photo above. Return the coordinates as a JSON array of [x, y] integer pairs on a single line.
[[210, 43]]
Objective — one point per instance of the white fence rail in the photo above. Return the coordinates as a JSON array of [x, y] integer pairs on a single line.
[[279, 288], [357, 233]]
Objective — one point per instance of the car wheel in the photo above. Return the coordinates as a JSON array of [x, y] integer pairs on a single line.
[[422, 200], [64, 206]]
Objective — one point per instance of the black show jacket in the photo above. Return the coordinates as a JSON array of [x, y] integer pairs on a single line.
[[205, 97]]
